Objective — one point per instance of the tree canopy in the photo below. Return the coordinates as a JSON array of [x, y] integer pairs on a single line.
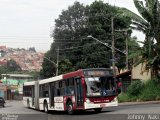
[[149, 24], [10, 67], [76, 50]]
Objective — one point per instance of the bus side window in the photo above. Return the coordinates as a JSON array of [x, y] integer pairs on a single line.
[[46, 94], [57, 90], [69, 89], [45, 90], [40, 91]]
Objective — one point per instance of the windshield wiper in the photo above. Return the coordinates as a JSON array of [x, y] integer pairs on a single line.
[[94, 89]]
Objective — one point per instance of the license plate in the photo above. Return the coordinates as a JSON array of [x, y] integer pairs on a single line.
[[102, 105]]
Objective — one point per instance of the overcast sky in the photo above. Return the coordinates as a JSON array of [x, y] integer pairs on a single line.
[[28, 23]]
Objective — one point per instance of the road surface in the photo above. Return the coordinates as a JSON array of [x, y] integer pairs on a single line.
[[16, 110]]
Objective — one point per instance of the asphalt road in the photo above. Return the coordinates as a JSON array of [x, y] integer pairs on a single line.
[[15, 110]]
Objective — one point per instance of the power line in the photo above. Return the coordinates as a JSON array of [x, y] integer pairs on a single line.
[[67, 42], [77, 47], [66, 39]]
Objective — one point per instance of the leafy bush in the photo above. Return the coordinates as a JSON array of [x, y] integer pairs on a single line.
[[135, 88], [151, 91], [138, 91]]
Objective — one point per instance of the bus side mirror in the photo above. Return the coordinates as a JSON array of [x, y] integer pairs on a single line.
[[83, 81]]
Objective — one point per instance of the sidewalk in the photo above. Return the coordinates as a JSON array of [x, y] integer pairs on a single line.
[[138, 103]]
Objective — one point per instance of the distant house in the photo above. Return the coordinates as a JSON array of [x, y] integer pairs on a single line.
[[125, 78], [14, 85], [3, 62], [128, 76], [2, 89], [28, 60], [3, 48]]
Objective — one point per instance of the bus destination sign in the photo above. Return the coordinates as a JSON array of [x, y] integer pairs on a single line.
[[98, 73]]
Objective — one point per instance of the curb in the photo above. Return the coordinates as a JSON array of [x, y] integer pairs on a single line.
[[138, 103]]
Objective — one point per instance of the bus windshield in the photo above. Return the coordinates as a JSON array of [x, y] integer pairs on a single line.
[[100, 86]]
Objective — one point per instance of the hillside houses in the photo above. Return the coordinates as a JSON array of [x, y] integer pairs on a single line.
[[28, 60]]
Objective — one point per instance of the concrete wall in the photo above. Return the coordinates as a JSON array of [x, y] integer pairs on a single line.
[[137, 73]]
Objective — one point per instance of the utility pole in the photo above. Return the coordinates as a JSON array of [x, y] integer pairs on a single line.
[[126, 33], [113, 47], [57, 61], [126, 53], [6, 87]]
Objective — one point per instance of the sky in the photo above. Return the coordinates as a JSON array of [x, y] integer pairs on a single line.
[[28, 23]]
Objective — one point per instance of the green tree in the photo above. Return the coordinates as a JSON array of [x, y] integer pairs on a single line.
[[69, 28], [48, 68], [12, 66], [3, 70], [71, 31], [34, 74], [99, 26], [149, 24], [65, 65]]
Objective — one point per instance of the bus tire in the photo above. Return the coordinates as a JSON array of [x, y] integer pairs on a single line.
[[45, 107], [97, 110], [69, 106], [28, 105]]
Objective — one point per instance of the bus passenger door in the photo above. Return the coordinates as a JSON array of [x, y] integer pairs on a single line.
[[51, 94], [36, 95], [79, 92], [33, 95]]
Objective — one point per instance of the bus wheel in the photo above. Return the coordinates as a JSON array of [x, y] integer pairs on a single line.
[[45, 107], [70, 108], [97, 110]]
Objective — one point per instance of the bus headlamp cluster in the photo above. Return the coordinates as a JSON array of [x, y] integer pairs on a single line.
[[87, 100], [115, 99]]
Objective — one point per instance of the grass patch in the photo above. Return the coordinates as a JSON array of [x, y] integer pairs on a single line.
[[123, 97]]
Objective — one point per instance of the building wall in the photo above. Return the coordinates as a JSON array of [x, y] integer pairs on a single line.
[[2, 93], [14, 83], [137, 73], [2, 90]]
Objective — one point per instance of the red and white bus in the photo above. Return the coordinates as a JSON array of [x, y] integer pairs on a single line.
[[84, 89]]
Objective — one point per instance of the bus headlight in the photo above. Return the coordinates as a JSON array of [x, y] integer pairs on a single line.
[[87, 100], [115, 99]]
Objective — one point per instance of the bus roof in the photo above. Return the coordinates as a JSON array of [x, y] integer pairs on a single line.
[[29, 83], [56, 78], [65, 76], [80, 72], [96, 69], [73, 74]]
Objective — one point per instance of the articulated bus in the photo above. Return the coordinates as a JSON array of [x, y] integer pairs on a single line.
[[84, 89]]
